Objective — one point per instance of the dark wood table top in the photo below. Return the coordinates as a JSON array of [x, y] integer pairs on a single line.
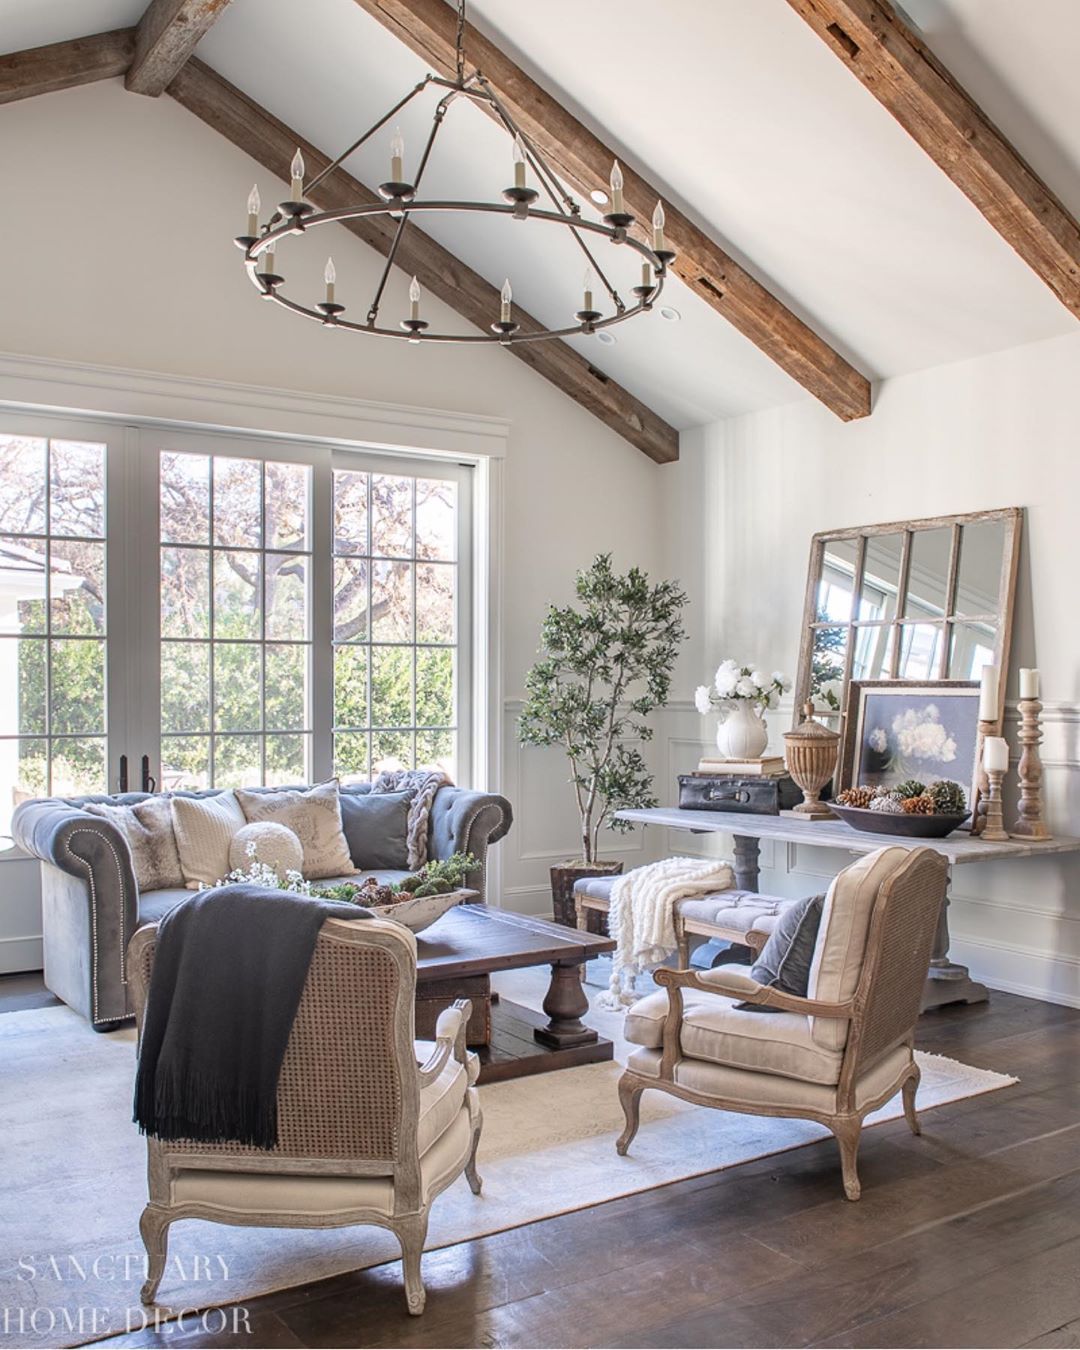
[[478, 939]]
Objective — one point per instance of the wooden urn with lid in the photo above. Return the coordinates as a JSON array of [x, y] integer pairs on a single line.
[[810, 753]]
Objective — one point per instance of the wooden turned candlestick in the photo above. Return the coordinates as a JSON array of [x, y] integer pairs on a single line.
[[1029, 822], [982, 783], [993, 829]]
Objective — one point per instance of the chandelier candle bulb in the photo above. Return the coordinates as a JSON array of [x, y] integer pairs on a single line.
[[296, 169], [414, 299], [1029, 683], [397, 157], [617, 207], [588, 283], [254, 205], [658, 220], [507, 300], [646, 276], [519, 162], [330, 277]]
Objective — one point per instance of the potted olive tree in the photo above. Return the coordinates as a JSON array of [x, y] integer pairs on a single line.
[[605, 665]]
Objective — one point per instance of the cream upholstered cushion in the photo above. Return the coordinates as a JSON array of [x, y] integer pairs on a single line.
[[714, 1030], [257, 1193], [841, 942], [762, 1091], [204, 830], [148, 828], [269, 842], [314, 816], [441, 1101]]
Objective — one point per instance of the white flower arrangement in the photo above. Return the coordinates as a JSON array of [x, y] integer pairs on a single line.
[[734, 683]]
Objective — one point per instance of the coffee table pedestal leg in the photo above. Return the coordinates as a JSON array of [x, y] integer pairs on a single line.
[[564, 1003]]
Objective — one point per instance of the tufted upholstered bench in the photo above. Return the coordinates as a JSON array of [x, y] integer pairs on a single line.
[[731, 916]]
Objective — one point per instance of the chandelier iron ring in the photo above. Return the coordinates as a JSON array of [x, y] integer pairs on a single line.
[[298, 222]]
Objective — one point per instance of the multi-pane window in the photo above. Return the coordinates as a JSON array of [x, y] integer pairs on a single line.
[[396, 655], [235, 541], [52, 618]]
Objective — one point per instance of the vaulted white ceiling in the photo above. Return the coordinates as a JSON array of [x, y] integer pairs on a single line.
[[746, 120]]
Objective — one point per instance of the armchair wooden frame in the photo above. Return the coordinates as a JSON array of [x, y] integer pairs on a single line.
[[384, 1143], [881, 1014]]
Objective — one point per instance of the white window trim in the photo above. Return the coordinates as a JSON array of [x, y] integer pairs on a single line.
[[39, 385]]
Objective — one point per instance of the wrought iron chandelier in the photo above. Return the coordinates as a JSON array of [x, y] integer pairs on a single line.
[[400, 201]]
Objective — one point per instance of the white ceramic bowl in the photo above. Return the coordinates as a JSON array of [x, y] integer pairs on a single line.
[[423, 910]]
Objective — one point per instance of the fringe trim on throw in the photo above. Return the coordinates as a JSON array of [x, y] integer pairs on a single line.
[[186, 1105]]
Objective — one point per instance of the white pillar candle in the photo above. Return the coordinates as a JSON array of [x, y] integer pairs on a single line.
[[1029, 683], [617, 207], [988, 694], [296, 169], [995, 754]]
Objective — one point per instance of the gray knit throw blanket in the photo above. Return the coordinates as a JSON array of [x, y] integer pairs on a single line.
[[423, 783]]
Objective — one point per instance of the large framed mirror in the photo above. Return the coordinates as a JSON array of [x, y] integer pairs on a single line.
[[921, 600]]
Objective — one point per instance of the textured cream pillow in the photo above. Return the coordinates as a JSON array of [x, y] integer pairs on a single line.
[[315, 816], [267, 841], [147, 826], [204, 830]]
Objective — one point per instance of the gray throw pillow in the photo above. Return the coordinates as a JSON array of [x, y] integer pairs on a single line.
[[376, 826], [788, 954]]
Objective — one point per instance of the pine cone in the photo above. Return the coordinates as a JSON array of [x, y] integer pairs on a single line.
[[888, 805], [922, 805], [948, 797], [910, 787], [856, 796]]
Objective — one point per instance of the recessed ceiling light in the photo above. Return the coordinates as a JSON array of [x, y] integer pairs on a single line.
[[599, 196], [608, 339], [672, 315]]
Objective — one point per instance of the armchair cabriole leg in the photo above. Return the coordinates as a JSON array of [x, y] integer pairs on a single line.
[[848, 1129], [472, 1176], [630, 1090], [154, 1230], [911, 1087], [412, 1233]]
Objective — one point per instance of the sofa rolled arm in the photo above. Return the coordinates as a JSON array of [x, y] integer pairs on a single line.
[[463, 821]]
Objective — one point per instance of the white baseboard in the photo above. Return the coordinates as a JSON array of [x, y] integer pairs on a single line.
[[1021, 970], [19, 954]]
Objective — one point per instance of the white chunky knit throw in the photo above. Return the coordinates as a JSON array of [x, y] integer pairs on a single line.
[[642, 915]]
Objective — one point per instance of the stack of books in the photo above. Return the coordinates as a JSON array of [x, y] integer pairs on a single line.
[[770, 766]]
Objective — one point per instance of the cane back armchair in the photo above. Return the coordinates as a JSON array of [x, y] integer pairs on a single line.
[[833, 1056], [365, 1134]]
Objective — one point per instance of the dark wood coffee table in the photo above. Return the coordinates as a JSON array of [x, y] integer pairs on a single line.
[[476, 941]]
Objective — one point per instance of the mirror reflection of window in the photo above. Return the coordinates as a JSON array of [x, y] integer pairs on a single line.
[[920, 645], [929, 573], [972, 648], [837, 581], [978, 577]]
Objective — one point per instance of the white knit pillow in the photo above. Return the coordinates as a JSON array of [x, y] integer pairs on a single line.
[[314, 815], [267, 841], [204, 830]]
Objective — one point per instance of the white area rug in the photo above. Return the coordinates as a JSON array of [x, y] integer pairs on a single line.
[[73, 1175]]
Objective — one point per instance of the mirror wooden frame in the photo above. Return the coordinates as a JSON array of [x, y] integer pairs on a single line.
[[1011, 518]]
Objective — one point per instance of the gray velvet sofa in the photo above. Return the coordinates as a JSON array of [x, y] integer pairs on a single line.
[[91, 904]]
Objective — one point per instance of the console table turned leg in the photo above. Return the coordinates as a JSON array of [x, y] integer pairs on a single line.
[[747, 854], [564, 1003], [1029, 822], [947, 981]]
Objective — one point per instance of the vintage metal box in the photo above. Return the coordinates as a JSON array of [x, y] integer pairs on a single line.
[[759, 796]]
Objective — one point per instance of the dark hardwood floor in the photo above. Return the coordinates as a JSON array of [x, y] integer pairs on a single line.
[[969, 1236]]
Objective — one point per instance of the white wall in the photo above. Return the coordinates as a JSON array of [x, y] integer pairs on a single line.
[[742, 504], [122, 256]]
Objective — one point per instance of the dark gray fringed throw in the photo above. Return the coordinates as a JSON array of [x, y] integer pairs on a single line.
[[229, 969]]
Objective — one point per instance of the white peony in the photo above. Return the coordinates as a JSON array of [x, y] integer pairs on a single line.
[[759, 679], [702, 700], [727, 676], [782, 680], [746, 688], [878, 740], [921, 735]]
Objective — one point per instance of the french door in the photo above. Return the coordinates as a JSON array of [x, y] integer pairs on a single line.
[[186, 610]]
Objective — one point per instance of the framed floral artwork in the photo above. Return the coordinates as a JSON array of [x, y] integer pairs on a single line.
[[897, 729]]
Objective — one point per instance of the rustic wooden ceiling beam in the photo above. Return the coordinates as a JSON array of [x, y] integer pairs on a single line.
[[582, 159], [897, 67], [167, 35], [272, 144], [63, 65]]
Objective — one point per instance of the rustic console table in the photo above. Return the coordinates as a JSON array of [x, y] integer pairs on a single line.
[[948, 982]]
